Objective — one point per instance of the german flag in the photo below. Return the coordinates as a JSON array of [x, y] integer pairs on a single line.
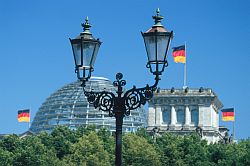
[[179, 54], [23, 115], [228, 114]]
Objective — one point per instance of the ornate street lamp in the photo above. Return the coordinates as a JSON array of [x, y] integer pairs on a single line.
[[85, 48], [157, 40]]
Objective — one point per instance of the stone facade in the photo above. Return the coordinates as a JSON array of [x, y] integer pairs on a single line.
[[183, 111]]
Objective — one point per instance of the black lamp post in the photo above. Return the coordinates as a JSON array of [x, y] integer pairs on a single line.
[[157, 40]]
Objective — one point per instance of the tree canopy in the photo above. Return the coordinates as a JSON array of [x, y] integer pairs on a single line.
[[88, 147]]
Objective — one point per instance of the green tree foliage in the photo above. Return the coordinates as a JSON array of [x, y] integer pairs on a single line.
[[142, 132], [82, 130], [89, 150], [230, 154], [169, 149], [32, 152], [10, 143], [244, 151], [62, 138], [193, 150], [28, 151], [137, 151], [46, 139], [88, 147], [108, 143], [6, 157]]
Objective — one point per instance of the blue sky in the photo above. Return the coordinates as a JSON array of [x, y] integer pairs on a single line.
[[36, 56]]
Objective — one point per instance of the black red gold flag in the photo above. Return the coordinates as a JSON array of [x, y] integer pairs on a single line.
[[228, 114], [23, 115], [179, 54]]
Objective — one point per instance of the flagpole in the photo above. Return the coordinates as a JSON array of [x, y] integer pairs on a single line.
[[29, 121], [185, 68], [233, 131]]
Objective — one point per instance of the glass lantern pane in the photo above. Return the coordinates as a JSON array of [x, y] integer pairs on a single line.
[[150, 47], [97, 46], [84, 73], [88, 48], [162, 42], [77, 53]]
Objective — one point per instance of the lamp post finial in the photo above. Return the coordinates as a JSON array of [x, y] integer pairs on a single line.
[[86, 26], [158, 19]]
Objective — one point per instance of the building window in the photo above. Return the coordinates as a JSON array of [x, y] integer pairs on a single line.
[[166, 116], [180, 116], [195, 116]]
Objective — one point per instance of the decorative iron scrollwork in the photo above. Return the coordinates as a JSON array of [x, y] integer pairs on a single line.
[[130, 100], [135, 98], [103, 100], [119, 82]]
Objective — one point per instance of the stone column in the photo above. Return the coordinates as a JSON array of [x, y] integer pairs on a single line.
[[203, 116], [187, 117], [151, 116], [158, 116], [173, 117]]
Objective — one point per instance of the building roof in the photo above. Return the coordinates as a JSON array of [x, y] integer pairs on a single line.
[[187, 96]]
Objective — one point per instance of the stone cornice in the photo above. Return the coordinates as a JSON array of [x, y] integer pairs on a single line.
[[186, 97]]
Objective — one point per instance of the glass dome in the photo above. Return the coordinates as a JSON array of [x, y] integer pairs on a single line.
[[68, 106]]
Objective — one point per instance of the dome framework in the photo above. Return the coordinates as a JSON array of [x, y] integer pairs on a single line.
[[68, 106]]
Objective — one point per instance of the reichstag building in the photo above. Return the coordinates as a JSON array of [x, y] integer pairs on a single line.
[[179, 111], [183, 111]]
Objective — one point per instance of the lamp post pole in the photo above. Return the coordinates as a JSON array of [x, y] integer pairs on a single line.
[[119, 110], [85, 47]]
